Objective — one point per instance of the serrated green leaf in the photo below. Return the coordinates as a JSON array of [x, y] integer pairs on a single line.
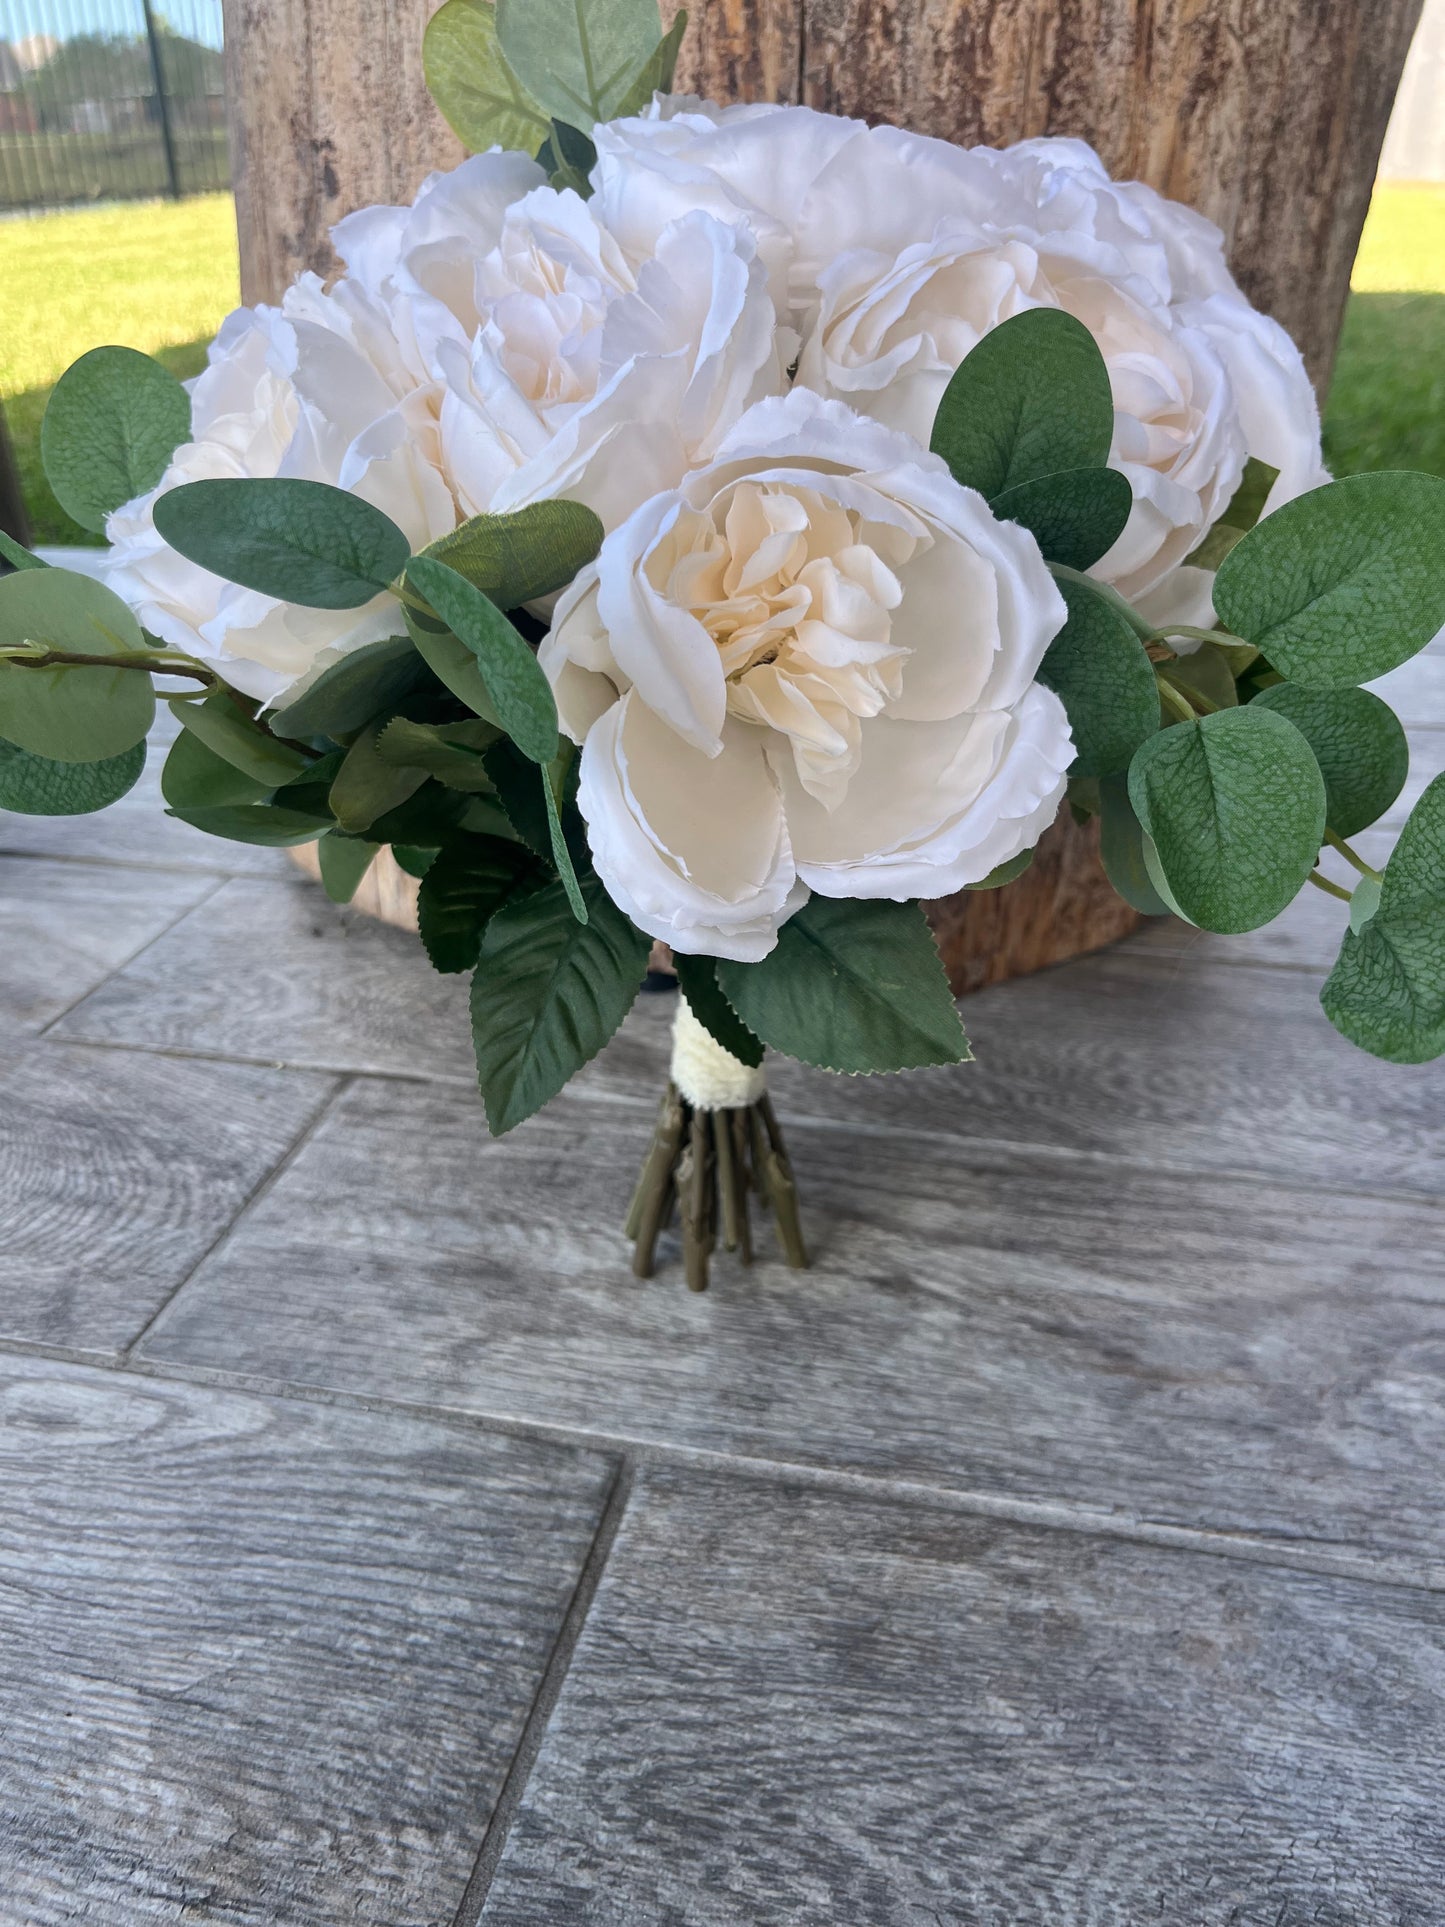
[[367, 787], [697, 980], [38, 786], [1122, 851], [194, 778], [1359, 744], [452, 752], [344, 861], [578, 58], [519, 694], [1246, 505], [18, 557], [1344, 583], [1075, 517], [467, 75], [853, 985], [470, 880], [1030, 401], [520, 557], [302, 542], [1386, 992], [424, 821], [70, 715], [364, 684], [1235, 806], [1097, 667], [657, 73], [415, 862], [548, 993], [113, 421], [228, 729], [264, 823]]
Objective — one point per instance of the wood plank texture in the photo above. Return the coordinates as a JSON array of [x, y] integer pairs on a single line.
[[118, 1171], [1200, 1351], [836, 1713], [262, 1662]]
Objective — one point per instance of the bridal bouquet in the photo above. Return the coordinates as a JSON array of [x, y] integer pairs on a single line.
[[731, 526]]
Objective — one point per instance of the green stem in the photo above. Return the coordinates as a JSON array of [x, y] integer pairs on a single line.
[[1195, 635], [1176, 702], [1329, 888], [1357, 862], [1199, 703], [151, 662], [1062, 573]]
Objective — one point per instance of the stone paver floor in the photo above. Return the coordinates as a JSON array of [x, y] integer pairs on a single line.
[[1067, 1547]]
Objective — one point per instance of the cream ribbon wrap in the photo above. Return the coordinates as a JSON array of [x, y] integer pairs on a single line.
[[709, 1077]]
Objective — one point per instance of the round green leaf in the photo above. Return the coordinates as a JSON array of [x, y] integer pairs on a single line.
[[1359, 744], [37, 786], [1344, 583], [467, 76], [256, 823], [853, 985], [1031, 400], [1075, 517], [72, 715], [225, 727], [1097, 667], [196, 778], [302, 542], [1235, 806], [578, 58], [518, 694], [113, 421], [1386, 992], [1123, 852]]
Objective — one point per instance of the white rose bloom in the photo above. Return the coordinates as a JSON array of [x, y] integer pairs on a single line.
[[811, 666], [315, 390], [597, 379]]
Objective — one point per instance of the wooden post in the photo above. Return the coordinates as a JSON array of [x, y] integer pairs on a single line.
[[1267, 115]]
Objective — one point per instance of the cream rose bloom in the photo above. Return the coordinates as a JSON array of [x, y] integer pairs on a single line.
[[314, 390], [811, 666]]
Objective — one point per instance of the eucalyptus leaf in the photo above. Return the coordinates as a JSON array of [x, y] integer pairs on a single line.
[[113, 421], [467, 75], [1344, 583], [195, 778], [367, 787], [697, 981], [657, 73], [344, 861], [1386, 992], [1207, 671], [262, 823], [70, 715], [548, 993], [425, 820], [1364, 902], [302, 542], [569, 157], [229, 730], [1235, 806], [1359, 744], [18, 557], [519, 694], [1097, 667], [1122, 851], [1075, 517], [451, 662], [1004, 872], [470, 880], [554, 776], [580, 59], [38, 786], [522, 556], [1030, 401], [366, 682], [1246, 505], [853, 985]]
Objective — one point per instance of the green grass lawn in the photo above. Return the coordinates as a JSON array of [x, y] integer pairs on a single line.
[[160, 275]]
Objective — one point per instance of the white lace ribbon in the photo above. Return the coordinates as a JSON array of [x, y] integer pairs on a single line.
[[709, 1077]]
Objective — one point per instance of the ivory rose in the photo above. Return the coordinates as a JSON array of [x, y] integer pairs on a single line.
[[811, 666]]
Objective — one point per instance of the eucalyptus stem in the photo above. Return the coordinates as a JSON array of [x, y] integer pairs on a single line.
[[1194, 635], [1177, 702], [1356, 862], [151, 662], [1143, 630], [1330, 888]]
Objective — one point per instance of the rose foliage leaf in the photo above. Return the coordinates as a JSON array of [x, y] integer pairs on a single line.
[[113, 421], [1386, 992], [548, 993], [1359, 744], [1235, 807], [351, 692], [472, 877], [854, 985], [1343, 584], [697, 980], [344, 861], [303, 542]]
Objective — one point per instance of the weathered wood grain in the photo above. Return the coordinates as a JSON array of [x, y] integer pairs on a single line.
[[118, 1171], [262, 1662], [1248, 1357], [797, 1711], [66, 926]]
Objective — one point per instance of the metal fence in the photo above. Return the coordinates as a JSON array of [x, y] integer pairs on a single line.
[[110, 100]]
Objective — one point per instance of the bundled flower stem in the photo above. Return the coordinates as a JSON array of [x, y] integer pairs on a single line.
[[717, 1139]]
